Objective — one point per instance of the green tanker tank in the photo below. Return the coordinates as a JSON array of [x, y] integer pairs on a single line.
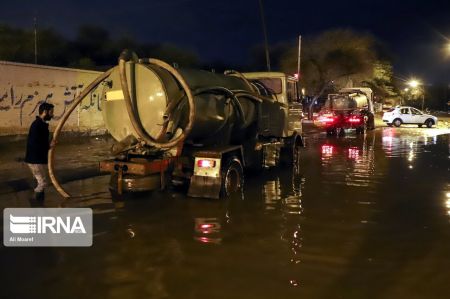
[[194, 128]]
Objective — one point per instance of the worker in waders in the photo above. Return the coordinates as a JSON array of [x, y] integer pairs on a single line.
[[38, 144]]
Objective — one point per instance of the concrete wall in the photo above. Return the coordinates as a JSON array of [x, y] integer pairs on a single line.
[[23, 87]]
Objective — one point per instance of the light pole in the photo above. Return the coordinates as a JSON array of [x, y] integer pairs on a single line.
[[35, 39], [404, 98], [417, 85], [266, 43], [423, 98]]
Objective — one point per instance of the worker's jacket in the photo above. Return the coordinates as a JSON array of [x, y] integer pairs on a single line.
[[38, 142]]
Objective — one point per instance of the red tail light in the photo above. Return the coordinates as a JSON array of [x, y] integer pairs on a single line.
[[206, 163], [327, 118], [354, 119]]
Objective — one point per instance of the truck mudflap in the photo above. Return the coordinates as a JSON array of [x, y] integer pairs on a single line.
[[207, 180], [203, 186], [136, 175]]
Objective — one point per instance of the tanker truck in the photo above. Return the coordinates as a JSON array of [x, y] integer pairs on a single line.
[[194, 128], [350, 108]]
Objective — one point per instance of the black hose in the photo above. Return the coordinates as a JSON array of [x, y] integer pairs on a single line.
[[234, 100]]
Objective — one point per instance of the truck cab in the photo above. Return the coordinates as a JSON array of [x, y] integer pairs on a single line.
[[283, 89]]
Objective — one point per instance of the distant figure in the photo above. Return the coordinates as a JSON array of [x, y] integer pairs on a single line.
[[38, 144]]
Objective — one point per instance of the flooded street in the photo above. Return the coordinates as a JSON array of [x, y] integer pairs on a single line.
[[364, 217]]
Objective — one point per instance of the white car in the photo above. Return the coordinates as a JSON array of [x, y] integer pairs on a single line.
[[408, 115]]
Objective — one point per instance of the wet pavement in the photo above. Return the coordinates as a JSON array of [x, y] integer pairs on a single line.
[[77, 158], [364, 217]]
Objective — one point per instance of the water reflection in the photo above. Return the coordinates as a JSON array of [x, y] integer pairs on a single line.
[[327, 151], [396, 144], [272, 194], [408, 144], [207, 230], [284, 193], [349, 161], [283, 196], [319, 235]]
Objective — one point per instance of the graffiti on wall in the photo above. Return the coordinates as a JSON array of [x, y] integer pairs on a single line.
[[18, 99]]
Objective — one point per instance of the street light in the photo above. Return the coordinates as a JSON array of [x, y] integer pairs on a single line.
[[413, 83]]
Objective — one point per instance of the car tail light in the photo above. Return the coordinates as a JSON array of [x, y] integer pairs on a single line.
[[204, 163], [327, 118], [354, 119]]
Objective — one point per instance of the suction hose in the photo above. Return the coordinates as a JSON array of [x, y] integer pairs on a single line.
[[124, 57], [132, 110], [51, 153]]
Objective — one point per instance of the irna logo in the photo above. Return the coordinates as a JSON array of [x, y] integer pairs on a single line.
[[31, 227], [46, 224]]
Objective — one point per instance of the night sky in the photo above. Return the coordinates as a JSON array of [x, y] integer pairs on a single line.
[[415, 32]]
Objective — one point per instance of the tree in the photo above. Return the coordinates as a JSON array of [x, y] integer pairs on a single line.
[[332, 58], [382, 80], [16, 44], [93, 48], [52, 48], [341, 58], [173, 54], [94, 43]]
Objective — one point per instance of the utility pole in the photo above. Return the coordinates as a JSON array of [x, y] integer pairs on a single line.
[[298, 61], [423, 98], [266, 43], [299, 54], [35, 39]]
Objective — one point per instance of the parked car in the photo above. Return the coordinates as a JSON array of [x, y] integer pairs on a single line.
[[408, 115]]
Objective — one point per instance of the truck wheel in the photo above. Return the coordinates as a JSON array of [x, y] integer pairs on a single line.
[[397, 122], [289, 155], [232, 177]]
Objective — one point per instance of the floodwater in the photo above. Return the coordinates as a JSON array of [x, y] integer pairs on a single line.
[[365, 217], [77, 158]]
